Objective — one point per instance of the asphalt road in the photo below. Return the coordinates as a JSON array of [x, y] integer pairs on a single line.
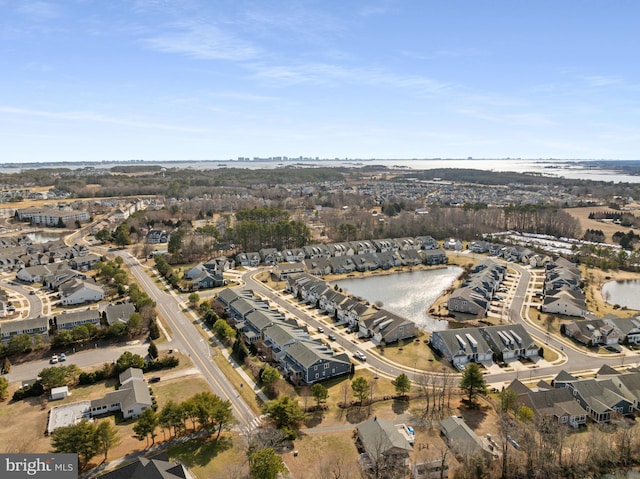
[[188, 339], [35, 303], [85, 357], [575, 360]]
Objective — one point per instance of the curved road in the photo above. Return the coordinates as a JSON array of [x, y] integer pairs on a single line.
[[574, 359]]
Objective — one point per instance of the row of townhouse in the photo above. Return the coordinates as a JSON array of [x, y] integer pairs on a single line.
[[479, 345], [609, 394], [301, 359], [371, 261], [272, 256], [25, 255], [475, 295], [109, 315], [68, 320], [607, 331], [561, 290], [17, 327], [52, 216], [513, 253], [379, 325]]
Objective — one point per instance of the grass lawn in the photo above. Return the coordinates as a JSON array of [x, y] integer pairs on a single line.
[[208, 458], [234, 378], [414, 354], [320, 453], [595, 279], [179, 389]]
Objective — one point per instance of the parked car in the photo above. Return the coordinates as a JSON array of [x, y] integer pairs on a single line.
[[154, 379], [359, 355], [10, 308], [320, 330], [54, 359], [331, 337], [62, 357], [513, 442], [32, 292]]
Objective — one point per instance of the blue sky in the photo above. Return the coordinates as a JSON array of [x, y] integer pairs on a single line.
[[163, 80]]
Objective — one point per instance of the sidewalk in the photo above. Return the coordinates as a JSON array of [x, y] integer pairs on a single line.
[[241, 372]]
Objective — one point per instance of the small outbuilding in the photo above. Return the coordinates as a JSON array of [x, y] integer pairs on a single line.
[[59, 393]]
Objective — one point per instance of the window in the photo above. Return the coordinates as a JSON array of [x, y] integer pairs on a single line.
[[563, 419], [326, 365]]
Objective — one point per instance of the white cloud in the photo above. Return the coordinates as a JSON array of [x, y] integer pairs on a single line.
[[324, 73], [203, 41], [602, 81]]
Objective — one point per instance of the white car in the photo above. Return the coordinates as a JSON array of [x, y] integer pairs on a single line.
[[54, 359], [359, 355]]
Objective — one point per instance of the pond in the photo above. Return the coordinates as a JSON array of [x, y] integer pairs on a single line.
[[623, 293], [409, 294], [43, 236]]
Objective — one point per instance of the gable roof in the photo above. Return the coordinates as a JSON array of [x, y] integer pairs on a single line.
[[380, 436], [119, 312], [156, 467]]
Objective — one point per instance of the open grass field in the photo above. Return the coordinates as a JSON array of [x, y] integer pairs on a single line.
[[582, 215]]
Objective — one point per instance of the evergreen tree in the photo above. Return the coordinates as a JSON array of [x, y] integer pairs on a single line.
[[473, 383]]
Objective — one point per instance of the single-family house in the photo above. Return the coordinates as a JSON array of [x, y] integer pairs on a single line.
[[453, 244], [208, 279], [462, 440], [628, 329], [384, 442], [600, 398], [590, 332], [627, 383], [548, 402], [114, 313], [132, 398], [78, 291], [155, 467]]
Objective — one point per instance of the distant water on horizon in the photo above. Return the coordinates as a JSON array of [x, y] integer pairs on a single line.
[[570, 169]]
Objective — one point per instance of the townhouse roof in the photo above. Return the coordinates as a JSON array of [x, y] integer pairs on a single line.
[[67, 317], [309, 352], [464, 341], [17, 325]]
